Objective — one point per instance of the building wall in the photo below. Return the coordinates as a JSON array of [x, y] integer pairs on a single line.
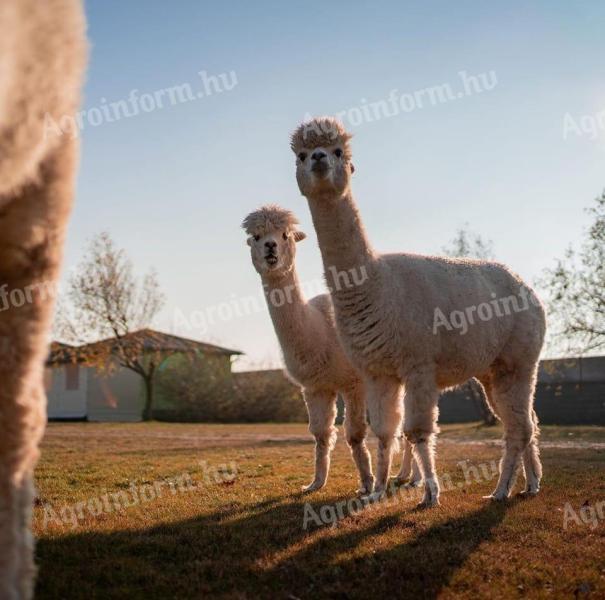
[[66, 391], [117, 397]]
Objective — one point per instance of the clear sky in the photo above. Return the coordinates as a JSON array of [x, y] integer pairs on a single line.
[[172, 185]]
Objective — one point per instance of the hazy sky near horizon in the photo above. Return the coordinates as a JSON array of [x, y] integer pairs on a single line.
[[172, 185]]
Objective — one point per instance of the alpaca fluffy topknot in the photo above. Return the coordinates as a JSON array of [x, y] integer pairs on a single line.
[[321, 132], [269, 218]]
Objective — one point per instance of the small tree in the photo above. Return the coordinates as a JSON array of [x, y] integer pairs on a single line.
[[575, 290], [467, 244], [105, 300]]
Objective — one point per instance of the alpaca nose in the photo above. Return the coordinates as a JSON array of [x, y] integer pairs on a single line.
[[318, 155], [271, 245]]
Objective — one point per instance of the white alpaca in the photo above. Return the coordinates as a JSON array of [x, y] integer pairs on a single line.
[[396, 328], [312, 353], [42, 57]]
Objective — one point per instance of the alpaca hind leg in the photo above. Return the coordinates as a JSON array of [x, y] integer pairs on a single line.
[[384, 405], [420, 427], [532, 467], [409, 473], [513, 398], [356, 427], [321, 407]]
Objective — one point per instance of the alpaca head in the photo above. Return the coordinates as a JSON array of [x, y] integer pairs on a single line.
[[323, 158], [272, 237]]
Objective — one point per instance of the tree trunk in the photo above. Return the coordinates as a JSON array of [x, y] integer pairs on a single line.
[[148, 409]]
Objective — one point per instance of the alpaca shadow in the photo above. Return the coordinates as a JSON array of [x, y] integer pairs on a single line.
[[262, 551], [418, 568]]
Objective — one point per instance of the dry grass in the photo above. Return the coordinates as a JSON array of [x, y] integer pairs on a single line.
[[245, 539]]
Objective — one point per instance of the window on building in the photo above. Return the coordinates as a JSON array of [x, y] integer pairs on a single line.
[[72, 377]]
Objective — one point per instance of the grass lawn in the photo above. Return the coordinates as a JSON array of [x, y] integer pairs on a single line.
[[156, 511]]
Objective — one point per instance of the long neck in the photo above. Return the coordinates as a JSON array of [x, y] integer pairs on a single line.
[[287, 307], [342, 238]]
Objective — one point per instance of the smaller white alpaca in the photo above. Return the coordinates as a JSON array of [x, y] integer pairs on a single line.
[[312, 353]]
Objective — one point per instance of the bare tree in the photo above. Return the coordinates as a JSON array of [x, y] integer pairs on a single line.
[[575, 290], [106, 301], [467, 244]]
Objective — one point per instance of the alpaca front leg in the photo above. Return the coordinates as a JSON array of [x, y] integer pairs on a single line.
[[409, 473], [419, 427], [321, 407], [384, 405], [356, 429]]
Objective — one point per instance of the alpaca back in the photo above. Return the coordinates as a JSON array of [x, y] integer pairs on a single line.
[[457, 314]]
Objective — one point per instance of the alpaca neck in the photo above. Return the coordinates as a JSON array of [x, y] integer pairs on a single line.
[[343, 242], [287, 307]]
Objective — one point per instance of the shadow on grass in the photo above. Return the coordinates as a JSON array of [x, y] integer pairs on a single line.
[[262, 551]]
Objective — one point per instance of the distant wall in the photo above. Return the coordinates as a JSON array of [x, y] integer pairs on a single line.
[[570, 391]]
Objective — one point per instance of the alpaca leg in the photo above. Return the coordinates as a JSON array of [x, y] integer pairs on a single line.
[[31, 241], [356, 429], [384, 405], [27, 568], [513, 397], [532, 467], [23, 424], [410, 471], [322, 414], [420, 427]]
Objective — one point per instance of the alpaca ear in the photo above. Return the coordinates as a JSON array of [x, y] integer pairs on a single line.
[[352, 168], [299, 236]]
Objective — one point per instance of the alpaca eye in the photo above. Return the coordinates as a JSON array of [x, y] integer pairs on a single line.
[[285, 235], [256, 238], [338, 152], [302, 156]]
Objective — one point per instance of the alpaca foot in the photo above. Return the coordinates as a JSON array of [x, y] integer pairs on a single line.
[[529, 492], [375, 496], [367, 487], [312, 487], [428, 503], [497, 496], [430, 497], [407, 483]]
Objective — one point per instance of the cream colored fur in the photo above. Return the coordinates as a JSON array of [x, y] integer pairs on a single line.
[[42, 57], [387, 325], [307, 335]]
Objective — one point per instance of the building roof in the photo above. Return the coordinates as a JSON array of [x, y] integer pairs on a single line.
[[148, 340]]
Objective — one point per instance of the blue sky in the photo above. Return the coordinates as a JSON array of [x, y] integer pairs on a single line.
[[173, 185]]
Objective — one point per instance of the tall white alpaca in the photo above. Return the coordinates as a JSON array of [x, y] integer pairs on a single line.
[[312, 353], [401, 326], [42, 57]]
